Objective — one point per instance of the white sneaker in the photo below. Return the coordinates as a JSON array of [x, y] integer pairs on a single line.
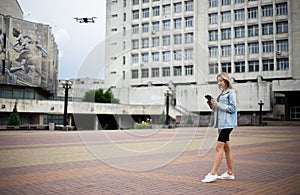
[[209, 178], [226, 176]]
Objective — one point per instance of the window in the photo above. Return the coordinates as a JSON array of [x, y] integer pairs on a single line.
[[282, 27], [213, 18], [213, 68], [213, 52], [295, 112], [189, 6], [188, 70], [239, 32], [156, 11], [166, 56], [155, 56], [283, 64], [145, 1], [267, 29], [240, 49], [281, 9], [114, 29], [135, 14], [252, 12], [146, 13], [145, 57], [134, 74], [177, 8], [177, 23], [145, 73], [145, 27], [135, 44], [155, 41], [226, 50], [226, 2], [177, 70], [135, 2], [124, 3], [239, 14], [213, 3], [124, 17], [268, 65], [166, 24], [213, 35], [166, 71], [167, 9], [135, 58], [189, 37], [177, 39], [177, 55], [226, 67], [166, 40], [226, 33], [114, 15], [135, 29], [253, 66], [268, 47], [239, 1], [226, 16], [155, 27], [155, 72], [253, 30], [145, 43], [189, 21], [282, 45], [239, 66], [253, 48], [189, 54], [267, 10]]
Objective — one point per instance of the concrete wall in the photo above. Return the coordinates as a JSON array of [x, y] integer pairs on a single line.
[[12, 8]]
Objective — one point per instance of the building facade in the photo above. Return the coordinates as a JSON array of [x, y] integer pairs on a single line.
[[183, 44]]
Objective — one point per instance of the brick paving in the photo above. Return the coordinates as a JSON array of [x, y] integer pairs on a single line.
[[266, 161]]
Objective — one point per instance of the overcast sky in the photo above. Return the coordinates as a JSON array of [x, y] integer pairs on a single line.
[[75, 41]]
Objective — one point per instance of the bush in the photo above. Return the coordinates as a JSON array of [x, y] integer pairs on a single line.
[[14, 118], [142, 126]]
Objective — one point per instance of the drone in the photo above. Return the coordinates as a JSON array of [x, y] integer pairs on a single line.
[[85, 20]]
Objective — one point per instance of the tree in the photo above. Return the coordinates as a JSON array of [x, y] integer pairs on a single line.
[[100, 96], [14, 118]]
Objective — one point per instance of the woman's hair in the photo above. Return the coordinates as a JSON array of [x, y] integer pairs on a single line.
[[226, 78]]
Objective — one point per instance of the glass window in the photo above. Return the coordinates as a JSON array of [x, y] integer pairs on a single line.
[[177, 70], [282, 45], [189, 54], [239, 67], [213, 52], [282, 27], [177, 39], [283, 64], [213, 35], [135, 2], [145, 1], [166, 40], [166, 56], [189, 6], [188, 70], [267, 10], [226, 33], [135, 44], [226, 67], [226, 50], [239, 32], [135, 58], [166, 24], [146, 13], [267, 29], [213, 18], [145, 73], [268, 47], [155, 56], [226, 16], [239, 14], [167, 9], [226, 2], [253, 66], [253, 30], [156, 11], [281, 9], [177, 55], [189, 37], [135, 29], [177, 23], [145, 57], [239, 1], [252, 12], [134, 74], [177, 7], [29, 93], [135, 14], [145, 43], [155, 41], [268, 65], [213, 3], [189, 21], [155, 26], [155, 72], [166, 71], [145, 27], [253, 48], [213, 68], [240, 49]]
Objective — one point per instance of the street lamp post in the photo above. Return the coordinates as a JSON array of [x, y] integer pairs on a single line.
[[66, 85], [167, 94], [260, 103]]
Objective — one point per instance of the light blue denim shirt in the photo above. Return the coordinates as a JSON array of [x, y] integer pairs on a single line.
[[225, 114]]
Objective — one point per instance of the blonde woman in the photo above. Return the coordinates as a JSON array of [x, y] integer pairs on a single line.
[[225, 119]]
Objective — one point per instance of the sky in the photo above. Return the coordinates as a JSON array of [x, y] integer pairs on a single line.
[[78, 43]]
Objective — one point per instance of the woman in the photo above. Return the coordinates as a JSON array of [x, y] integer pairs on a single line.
[[225, 119]]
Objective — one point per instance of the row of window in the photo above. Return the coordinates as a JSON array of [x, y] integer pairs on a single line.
[[253, 48], [253, 12], [178, 23], [253, 66], [253, 30], [163, 40], [164, 72], [214, 3], [164, 56]]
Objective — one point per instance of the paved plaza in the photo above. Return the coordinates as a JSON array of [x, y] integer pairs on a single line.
[[159, 161]]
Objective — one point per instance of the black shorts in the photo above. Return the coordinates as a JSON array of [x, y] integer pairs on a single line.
[[224, 135]]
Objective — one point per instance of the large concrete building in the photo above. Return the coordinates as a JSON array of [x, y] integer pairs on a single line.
[[182, 45]]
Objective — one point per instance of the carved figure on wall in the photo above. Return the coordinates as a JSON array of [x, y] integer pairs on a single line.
[[2, 46]]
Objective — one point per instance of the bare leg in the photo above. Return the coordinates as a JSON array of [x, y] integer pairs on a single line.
[[219, 156], [229, 158]]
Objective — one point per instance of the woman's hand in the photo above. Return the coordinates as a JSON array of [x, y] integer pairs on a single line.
[[214, 103]]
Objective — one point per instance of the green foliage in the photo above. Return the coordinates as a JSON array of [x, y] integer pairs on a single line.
[[100, 96], [190, 120], [142, 126], [162, 118], [14, 118]]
